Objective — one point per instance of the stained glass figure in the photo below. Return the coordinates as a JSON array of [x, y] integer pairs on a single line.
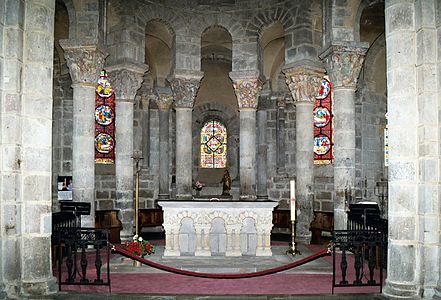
[[323, 124], [213, 145]]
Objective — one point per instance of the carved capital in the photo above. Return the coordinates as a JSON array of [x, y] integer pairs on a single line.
[[85, 60], [164, 98], [304, 82], [126, 79], [344, 64], [247, 86], [184, 90]]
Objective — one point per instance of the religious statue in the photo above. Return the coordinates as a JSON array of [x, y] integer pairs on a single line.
[[226, 183]]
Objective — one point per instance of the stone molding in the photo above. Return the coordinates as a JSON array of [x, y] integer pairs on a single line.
[[303, 83], [247, 86], [185, 88], [344, 63], [126, 79], [85, 60], [164, 98]]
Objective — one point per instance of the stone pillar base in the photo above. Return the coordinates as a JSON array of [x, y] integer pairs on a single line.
[[400, 290], [163, 197], [48, 287], [437, 293], [262, 197], [248, 197], [304, 239], [184, 197]]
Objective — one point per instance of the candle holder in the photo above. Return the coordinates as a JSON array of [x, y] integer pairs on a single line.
[[293, 244], [137, 157]]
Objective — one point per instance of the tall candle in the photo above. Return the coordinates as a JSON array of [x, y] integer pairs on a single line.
[[292, 200]]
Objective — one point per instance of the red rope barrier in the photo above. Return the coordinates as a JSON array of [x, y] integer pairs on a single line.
[[124, 252]]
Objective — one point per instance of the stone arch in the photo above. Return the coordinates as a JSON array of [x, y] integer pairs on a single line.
[[264, 19], [374, 53], [72, 17], [234, 28], [224, 55], [187, 236], [362, 6]]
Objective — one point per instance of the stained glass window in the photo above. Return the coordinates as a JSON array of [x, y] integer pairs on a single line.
[[213, 145], [323, 124]]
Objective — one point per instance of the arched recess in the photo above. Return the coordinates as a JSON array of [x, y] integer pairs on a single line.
[[272, 43], [62, 99], [158, 51], [371, 104], [212, 110], [215, 99]]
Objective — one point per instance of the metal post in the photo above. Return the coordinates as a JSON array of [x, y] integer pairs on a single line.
[[293, 245], [137, 157]]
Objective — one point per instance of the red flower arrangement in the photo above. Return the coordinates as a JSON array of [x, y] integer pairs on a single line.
[[140, 247]]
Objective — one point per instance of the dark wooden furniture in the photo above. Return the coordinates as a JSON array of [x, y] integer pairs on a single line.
[[323, 221], [77, 208], [61, 220], [281, 218], [150, 217], [108, 219]]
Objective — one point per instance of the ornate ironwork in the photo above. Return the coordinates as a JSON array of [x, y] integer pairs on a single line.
[[366, 248], [83, 245]]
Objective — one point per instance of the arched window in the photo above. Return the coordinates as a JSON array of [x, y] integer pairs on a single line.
[[323, 124], [213, 145]]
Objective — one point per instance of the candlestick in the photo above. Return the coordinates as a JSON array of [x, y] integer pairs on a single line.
[[293, 245], [292, 199]]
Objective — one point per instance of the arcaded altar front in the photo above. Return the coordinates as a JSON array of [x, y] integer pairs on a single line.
[[206, 228]]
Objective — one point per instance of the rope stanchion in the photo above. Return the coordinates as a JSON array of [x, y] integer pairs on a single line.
[[120, 250]]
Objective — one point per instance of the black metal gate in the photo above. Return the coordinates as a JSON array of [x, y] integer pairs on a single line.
[[362, 250], [83, 247]]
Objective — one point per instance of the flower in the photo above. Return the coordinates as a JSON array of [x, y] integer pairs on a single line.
[[140, 247], [198, 185]]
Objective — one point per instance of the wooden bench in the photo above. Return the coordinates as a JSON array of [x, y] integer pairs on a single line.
[[281, 218], [150, 217], [323, 221], [108, 219]]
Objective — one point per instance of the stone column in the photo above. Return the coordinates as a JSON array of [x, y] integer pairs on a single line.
[[247, 86], [280, 135], [262, 148], [85, 61], [164, 102], [184, 89], [304, 84], [126, 80], [343, 64]]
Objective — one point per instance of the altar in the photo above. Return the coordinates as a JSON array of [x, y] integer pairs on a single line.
[[217, 228]]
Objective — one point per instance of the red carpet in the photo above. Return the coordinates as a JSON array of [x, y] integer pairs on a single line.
[[275, 284]]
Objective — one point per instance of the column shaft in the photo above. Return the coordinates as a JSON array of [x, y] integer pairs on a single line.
[[304, 168], [344, 151], [247, 154], [83, 151], [124, 166], [262, 190], [164, 156], [183, 153]]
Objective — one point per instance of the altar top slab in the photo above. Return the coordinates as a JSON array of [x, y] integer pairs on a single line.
[[217, 204]]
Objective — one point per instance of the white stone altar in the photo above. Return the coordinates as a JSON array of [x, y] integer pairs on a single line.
[[212, 228]]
